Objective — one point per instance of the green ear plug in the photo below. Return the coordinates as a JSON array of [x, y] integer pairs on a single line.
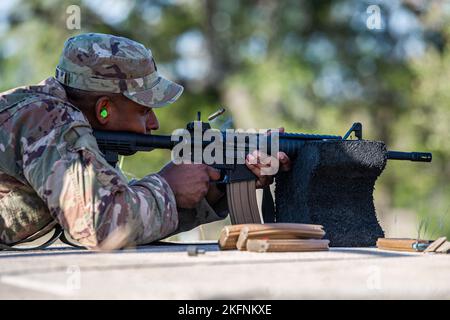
[[104, 113]]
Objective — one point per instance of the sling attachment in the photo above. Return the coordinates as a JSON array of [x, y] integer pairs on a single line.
[[64, 239], [58, 231]]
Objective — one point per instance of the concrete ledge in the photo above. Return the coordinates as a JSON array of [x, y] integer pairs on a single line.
[[167, 272]]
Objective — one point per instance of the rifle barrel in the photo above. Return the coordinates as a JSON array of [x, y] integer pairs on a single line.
[[412, 156]]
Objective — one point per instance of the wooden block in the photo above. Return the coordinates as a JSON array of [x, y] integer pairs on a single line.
[[287, 245], [400, 244], [436, 244], [230, 234], [444, 248], [274, 231]]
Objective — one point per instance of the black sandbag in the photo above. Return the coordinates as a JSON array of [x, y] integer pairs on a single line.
[[332, 184]]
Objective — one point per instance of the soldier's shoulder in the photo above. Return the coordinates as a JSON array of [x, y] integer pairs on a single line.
[[45, 99]]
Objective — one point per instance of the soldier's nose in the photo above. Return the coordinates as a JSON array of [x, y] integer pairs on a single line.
[[152, 122]]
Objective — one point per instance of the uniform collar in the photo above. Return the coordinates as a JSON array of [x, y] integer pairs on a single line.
[[51, 87]]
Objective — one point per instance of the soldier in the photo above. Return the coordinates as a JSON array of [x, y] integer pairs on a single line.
[[52, 172]]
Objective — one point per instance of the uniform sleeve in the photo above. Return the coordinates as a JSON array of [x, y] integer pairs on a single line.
[[89, 198], [203, 213]]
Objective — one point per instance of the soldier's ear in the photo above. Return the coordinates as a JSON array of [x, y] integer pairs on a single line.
[[103, 110]]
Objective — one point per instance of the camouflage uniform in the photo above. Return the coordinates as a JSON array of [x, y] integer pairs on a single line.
[[51, 170]]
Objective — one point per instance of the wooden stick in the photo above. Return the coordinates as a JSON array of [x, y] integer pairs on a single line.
[[291, 245], [399, 244]]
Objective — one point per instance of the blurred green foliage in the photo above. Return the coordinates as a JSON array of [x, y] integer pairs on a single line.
[[311, 66]]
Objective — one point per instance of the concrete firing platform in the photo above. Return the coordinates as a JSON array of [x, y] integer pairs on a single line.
[[167, 272]]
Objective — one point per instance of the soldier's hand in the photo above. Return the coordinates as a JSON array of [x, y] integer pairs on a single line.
[[265, 166], [189, 182]]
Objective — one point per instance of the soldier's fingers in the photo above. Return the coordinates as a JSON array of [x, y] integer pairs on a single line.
[[285, 162], [264, 181], [214, 174], [254, 168], [265, 160], [252, 158], [268, 180], [258, 155]]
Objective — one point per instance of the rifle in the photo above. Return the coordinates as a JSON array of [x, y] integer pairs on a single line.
[[235, 175]]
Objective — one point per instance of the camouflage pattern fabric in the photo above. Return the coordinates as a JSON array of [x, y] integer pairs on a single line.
[[105, 63], [51, 169]]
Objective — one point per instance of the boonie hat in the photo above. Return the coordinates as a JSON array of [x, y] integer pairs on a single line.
[[106, 63]]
